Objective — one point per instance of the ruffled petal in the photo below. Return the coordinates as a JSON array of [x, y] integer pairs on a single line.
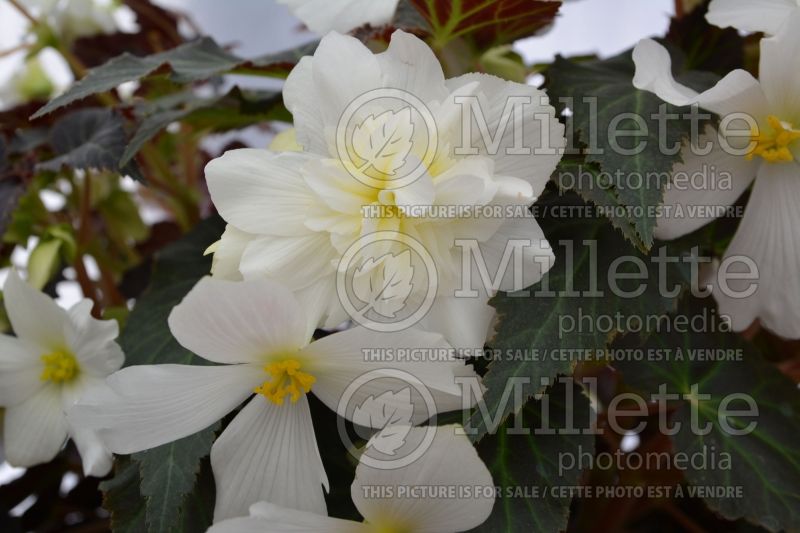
[[260, 192], [541, 132]]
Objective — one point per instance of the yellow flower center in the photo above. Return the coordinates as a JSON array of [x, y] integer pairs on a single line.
[[59, 367], [287, 380], [774, 146]]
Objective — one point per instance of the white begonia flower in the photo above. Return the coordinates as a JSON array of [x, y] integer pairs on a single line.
[[766, 16], [767, 233], [322, 16], [260, 338], [57, 357], [412, 498], [292, 215]]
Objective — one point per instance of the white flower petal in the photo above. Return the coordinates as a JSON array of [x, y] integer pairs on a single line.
[[339, 359], [93, 341], [239, 321], [259, 191], [265, 516], [750, 15], [713, 190], [780, 81], [268, 452], [535, 254], [150, 405], [768, 235], [318, 89], [322, 16], [20, 368], [410, 64], [449, 461], [298, 93], [35, 429], [322, 305], [34, 316], [97, 460], [464, 322], [293, 261], [738, 92], [228, 251], [493, 96]]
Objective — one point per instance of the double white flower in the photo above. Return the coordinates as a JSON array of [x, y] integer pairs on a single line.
[[57, 357], [260, 337], [767, 233], [293, 215], [448, 488]]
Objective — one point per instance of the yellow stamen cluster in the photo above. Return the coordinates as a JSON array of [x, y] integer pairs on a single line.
[[774, 146], [287, 380], [59, 367]]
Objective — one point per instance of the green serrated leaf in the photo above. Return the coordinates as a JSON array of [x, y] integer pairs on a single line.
[[193, 61], [122, 498], [634, 152], [526, 467], [236, 109], [168, 474], [543, 334], [89, 138], [764, 463]]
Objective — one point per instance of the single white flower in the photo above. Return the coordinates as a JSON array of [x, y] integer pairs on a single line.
[[767, 233], [260, 338], [293, 215], [56, 357], [751, 15], [322, 16], [401, 499]]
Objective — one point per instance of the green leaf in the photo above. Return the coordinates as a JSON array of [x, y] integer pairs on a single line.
[[89, 138], [543, 334], [602, 99], [236, 109], [765, 463], [122, 498], [168, 475], [487, 23], [194, 61], [146, 338], [574, 174], [526, 467]]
